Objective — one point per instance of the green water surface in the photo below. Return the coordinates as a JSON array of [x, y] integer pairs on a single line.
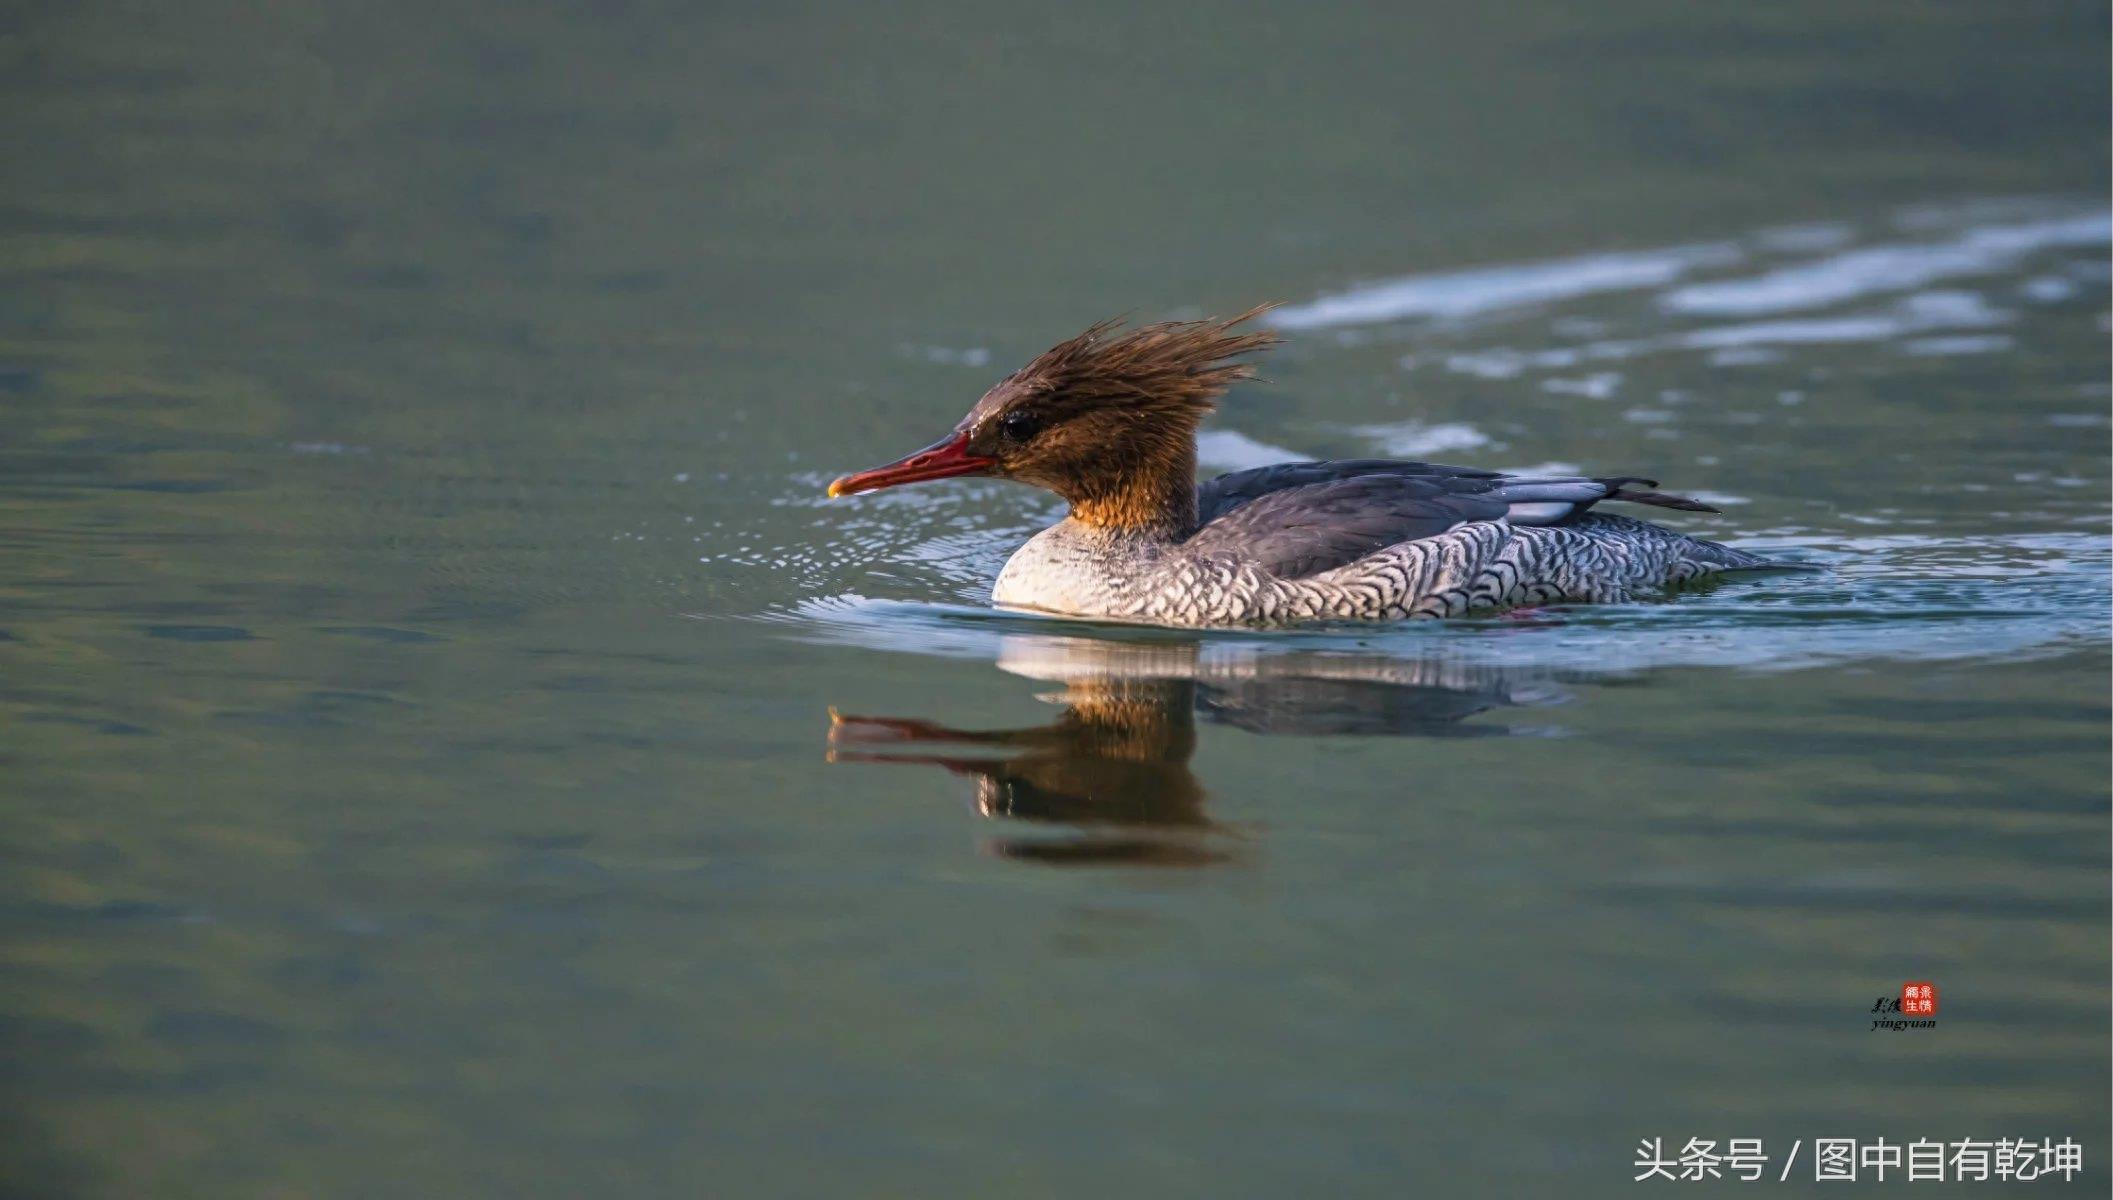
[[420, 620]]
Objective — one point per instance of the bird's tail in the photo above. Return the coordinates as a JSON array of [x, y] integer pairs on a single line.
[[1644, 492], [1717, 556]]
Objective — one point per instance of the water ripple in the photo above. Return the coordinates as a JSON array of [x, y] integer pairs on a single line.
[[1491, 289], [1890, 268], [1826, 274], [1885, 598]]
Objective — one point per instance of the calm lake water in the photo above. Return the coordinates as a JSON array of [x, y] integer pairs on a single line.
[[451, 747]]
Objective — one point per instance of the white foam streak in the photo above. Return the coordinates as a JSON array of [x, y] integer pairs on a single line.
[[1413, 439], [1928, 311], [1230, 450], [1891, 268], [1489, 289]]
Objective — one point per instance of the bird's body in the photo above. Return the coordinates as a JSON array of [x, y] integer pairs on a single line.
[[1108, 422], [1234, 572]]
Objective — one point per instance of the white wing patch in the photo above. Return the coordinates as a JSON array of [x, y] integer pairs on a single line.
[[1539, 512]]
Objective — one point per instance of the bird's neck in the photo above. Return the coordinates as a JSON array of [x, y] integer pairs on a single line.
[[1154, 499]]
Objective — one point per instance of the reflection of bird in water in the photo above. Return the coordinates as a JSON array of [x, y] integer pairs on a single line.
[[1116, 762]]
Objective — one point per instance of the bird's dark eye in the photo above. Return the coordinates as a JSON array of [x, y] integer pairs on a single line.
[[1019, 426]]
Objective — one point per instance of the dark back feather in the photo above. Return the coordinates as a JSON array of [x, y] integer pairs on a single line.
[[1301, 531], [1216, 497], [1301, 518]]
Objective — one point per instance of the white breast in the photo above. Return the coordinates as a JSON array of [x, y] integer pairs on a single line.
[[1069, 569]]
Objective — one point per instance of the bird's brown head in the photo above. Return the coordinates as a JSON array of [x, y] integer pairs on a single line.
[[1107, 420]]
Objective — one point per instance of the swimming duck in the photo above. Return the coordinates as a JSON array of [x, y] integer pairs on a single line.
[[1107, 420]]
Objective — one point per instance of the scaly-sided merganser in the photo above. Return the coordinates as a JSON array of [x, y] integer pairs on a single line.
[[1107, 420]]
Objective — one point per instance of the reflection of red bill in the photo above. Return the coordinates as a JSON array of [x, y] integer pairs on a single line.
[[1918, 999]]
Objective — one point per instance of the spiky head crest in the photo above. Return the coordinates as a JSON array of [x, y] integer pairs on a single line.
[[1177, 368]]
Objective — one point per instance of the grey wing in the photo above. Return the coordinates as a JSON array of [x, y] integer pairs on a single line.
[[1530, 500], [1301, 531], [1216, 497]]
